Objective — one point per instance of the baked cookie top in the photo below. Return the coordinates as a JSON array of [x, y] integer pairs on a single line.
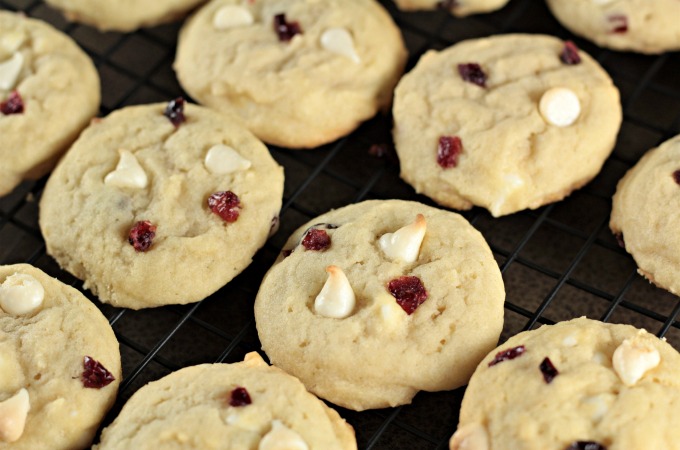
[[507, 122], [246, 405], [160, 204], [379, 300], [644, 212], [577, 385], [59, 363], [49, 90], [124, 15], [458, 8], [300, 73], [637, 25]]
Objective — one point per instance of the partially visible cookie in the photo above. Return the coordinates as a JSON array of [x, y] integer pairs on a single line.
[[373, 302], [507, 122], [637, 25], [645, 213], [299, 73], [59, 363], [459, 8], [246, 405], [160, 204], [577, 385], [49, 90]]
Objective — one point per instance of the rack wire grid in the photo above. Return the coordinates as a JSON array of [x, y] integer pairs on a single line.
[[558, 262]]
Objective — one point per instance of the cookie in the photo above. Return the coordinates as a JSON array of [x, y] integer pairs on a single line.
[[643, 211], [459, 8], [49, 90], [246, 405], [59, 363], [507, 122], [158, 205], [636, 25], [577, 385], [124, 15], [299, 73], [373, 302]]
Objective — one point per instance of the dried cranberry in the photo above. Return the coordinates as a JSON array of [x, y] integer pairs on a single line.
[[473, 73], [94, 374], [141, 235], [409, 292], [548, 370], [676, 176], [586, 445], [239, 397], [285, 30], [287, 253], [175, 111], [450, 147], [317, 240], [225, 204], [504, 355], [13, 105], [274, 227], [619, 240], [570, 54], [619, 23], [447, 4]]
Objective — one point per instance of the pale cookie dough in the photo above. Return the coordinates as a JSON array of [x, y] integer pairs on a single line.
[[637, 25], [348, 339], [644, 211], [124, 15], [49, 90], [603, 387], [530, 127], [243, 406], [135, 166], [459, 8], [303, 92], [47, 329]]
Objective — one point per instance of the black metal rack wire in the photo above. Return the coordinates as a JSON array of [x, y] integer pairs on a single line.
[[558, 262]]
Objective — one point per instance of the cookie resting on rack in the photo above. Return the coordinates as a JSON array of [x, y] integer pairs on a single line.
[[373, 302], [577, 385], [160, 204], [459, 8], [300, 73], [59, 363], [49, 90], [508, 122]]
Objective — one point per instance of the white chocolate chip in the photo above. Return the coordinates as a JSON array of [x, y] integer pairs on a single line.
[[232, 16], [560, 107], [13, 413], [10, 70], [633, 358], [569, 341], [598, 405], [599, 358], [222, 159], [469, 437], [340, 41], [280, 437], [511, 183], [21, 294], [128, 174], [336, 299], [404, 244]]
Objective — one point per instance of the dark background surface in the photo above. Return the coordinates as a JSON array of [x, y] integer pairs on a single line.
[[558, 262]]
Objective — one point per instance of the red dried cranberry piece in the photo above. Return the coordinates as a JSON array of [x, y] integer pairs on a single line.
[[13, 105], [619, 23], [548, 370], [239, 397], [286, 30], [586, 445], [450, 147], [409, 292], [676, 176], [317, 240], [504, 355], [447, 4], [619, 240], [175, 111], [287, 253], [94, 374], [473, 73], [141, 235], [225, 204], [570, 54]]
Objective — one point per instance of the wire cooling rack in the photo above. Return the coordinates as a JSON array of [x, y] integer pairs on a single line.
[[558, 262]]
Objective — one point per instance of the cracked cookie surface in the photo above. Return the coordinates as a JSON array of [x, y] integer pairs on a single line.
[[459, 8]]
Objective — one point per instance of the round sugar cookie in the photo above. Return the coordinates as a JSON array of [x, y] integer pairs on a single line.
[[300, 73], [49, 90], [576, 385], [158, 205], [507, 122], [373, 302], [459, 8], [59, 363], [246, 405]]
